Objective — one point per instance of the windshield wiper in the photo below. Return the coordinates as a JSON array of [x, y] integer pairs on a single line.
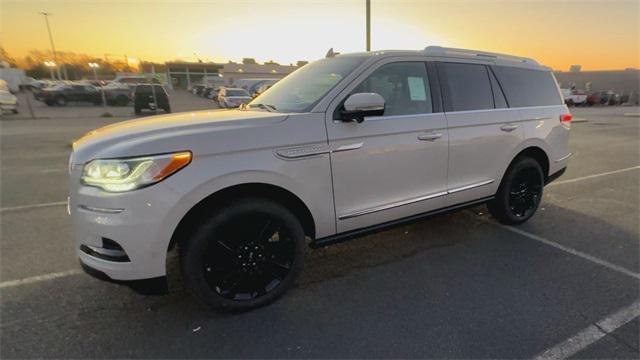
[[269, 108]]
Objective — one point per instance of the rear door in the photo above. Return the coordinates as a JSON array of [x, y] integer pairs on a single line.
[[395, 165], [483, 130]]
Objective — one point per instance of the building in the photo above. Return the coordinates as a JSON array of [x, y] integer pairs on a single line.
[[621, 81], [251, 70], [183, 75]]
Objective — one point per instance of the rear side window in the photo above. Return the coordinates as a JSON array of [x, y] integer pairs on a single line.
[[526, 87], [466, 87]]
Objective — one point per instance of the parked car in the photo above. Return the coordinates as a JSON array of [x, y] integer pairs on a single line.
[[594, 98], [609, 98], [133, 81], [342, 147], [232, 97], [574, 97], [8, 102], [253, 89], [150, 97], [197, 89], [261, 89], [62, 94]]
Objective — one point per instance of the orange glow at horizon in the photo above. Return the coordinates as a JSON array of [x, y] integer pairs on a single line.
[[595, 34]]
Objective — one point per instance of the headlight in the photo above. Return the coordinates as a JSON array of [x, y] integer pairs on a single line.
[[119, 175]]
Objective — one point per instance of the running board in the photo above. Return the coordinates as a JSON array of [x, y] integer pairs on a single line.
[[349, 235]]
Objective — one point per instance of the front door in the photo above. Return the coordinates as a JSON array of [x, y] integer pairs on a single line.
[[395, 165]]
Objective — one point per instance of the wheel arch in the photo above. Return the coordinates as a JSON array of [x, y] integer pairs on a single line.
[[535, 152], [223, 196]]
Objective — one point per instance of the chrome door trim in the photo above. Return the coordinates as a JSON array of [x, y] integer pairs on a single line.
[[348, 147], [412, 200], [303, 151], [564, 158], [390, 206]]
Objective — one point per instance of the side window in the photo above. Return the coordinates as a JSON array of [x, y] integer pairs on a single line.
[[498, 96], [526, 87], [466, 87], [403, 85]]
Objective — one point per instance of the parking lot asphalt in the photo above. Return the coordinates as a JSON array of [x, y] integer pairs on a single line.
[[457, 286]]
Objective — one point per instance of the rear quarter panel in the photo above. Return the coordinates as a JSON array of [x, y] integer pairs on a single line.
[[542, 128]]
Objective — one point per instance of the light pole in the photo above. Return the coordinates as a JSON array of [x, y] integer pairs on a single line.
[[50, 65], [368, 25], [94, 67], [53, 48]]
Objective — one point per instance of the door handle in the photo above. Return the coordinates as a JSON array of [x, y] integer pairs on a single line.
[[429, 136], [508, 127]]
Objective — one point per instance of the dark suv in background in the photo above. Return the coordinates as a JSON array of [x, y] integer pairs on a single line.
[[150, 97]]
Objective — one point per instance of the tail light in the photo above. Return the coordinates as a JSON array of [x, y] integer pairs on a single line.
[[566, 118]]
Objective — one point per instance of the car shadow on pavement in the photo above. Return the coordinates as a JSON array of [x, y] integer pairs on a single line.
[[431, 267]]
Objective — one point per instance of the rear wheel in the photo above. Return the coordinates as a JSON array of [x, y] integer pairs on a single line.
[[61, 101], [244, 256], [520, 192], [137, 110]]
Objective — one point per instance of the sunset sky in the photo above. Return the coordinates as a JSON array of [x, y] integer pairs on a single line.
[[596, 34]]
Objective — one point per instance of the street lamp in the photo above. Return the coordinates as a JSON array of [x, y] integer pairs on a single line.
[[50, 65], [94, 67], [53, 48]]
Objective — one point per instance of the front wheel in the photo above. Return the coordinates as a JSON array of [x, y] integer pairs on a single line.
[[519, 194], [245, 255]]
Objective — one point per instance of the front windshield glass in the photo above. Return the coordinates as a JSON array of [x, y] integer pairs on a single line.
[[301, 90], [236, 93]]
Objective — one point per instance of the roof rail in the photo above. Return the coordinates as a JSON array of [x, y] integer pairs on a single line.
[[444, 51]]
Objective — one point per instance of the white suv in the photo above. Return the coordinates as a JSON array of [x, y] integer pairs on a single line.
[[341, 147]]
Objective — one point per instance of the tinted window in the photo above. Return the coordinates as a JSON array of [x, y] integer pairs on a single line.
[[498, 96], [404, 87], [466, 87], [525, 87]]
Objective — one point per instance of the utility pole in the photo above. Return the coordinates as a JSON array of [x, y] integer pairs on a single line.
[[368, 25], [53, 48]]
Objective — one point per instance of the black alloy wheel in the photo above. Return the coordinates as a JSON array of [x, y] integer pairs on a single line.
[[519, 193], [244, 255], [525, 193]]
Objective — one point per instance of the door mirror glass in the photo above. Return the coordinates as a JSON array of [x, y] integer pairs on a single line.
[[359, 105]]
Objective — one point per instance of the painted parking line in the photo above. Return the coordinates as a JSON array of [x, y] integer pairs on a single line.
[[571, 251], [48, 171], [591, 334], [33, 206], [594, 176], [39, 278]]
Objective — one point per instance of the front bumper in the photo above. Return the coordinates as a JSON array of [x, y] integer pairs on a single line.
[[123, 235]]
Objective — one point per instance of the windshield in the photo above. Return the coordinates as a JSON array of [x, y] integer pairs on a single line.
[[301, 90], [236, 93]]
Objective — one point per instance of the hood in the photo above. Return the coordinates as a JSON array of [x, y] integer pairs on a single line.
[[164, 133]]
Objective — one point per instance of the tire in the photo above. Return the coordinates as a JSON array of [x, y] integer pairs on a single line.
[[520, 192], [137, 110], [61, 101], [15, 111], [244, 255], [167, 110]]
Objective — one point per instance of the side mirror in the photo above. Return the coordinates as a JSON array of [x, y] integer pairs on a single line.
[[359, 105]]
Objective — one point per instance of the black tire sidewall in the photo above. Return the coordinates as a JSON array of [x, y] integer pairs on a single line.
[[499, 207], [191, 259]]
